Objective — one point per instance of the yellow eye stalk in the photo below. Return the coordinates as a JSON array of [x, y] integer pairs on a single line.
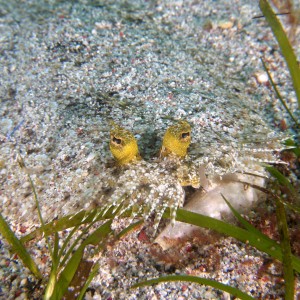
[[123, 146], [176, 140]]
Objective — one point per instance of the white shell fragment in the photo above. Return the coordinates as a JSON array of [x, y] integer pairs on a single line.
[[211, 203]]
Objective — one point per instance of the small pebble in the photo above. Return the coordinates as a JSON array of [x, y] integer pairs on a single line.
[[261, 77], [226, 24], [23, 282]]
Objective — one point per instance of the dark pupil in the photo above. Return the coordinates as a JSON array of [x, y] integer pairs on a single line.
[[117, 141], [185, 134]]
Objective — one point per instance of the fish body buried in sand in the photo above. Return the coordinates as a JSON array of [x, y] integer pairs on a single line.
[[153, 186]]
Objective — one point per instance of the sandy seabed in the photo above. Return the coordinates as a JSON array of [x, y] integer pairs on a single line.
[[70, 68]]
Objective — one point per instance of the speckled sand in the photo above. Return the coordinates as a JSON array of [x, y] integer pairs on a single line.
[[69, 68]]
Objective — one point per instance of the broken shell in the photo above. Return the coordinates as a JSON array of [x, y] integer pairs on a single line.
[[211, 203]]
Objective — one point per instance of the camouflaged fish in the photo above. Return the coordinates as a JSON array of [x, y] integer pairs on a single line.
[[148, 187]]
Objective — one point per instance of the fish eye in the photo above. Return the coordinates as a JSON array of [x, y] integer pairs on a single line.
[[116, 140], [185, 135]]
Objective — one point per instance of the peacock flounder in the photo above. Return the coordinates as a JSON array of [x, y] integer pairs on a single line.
[[151, 186]]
